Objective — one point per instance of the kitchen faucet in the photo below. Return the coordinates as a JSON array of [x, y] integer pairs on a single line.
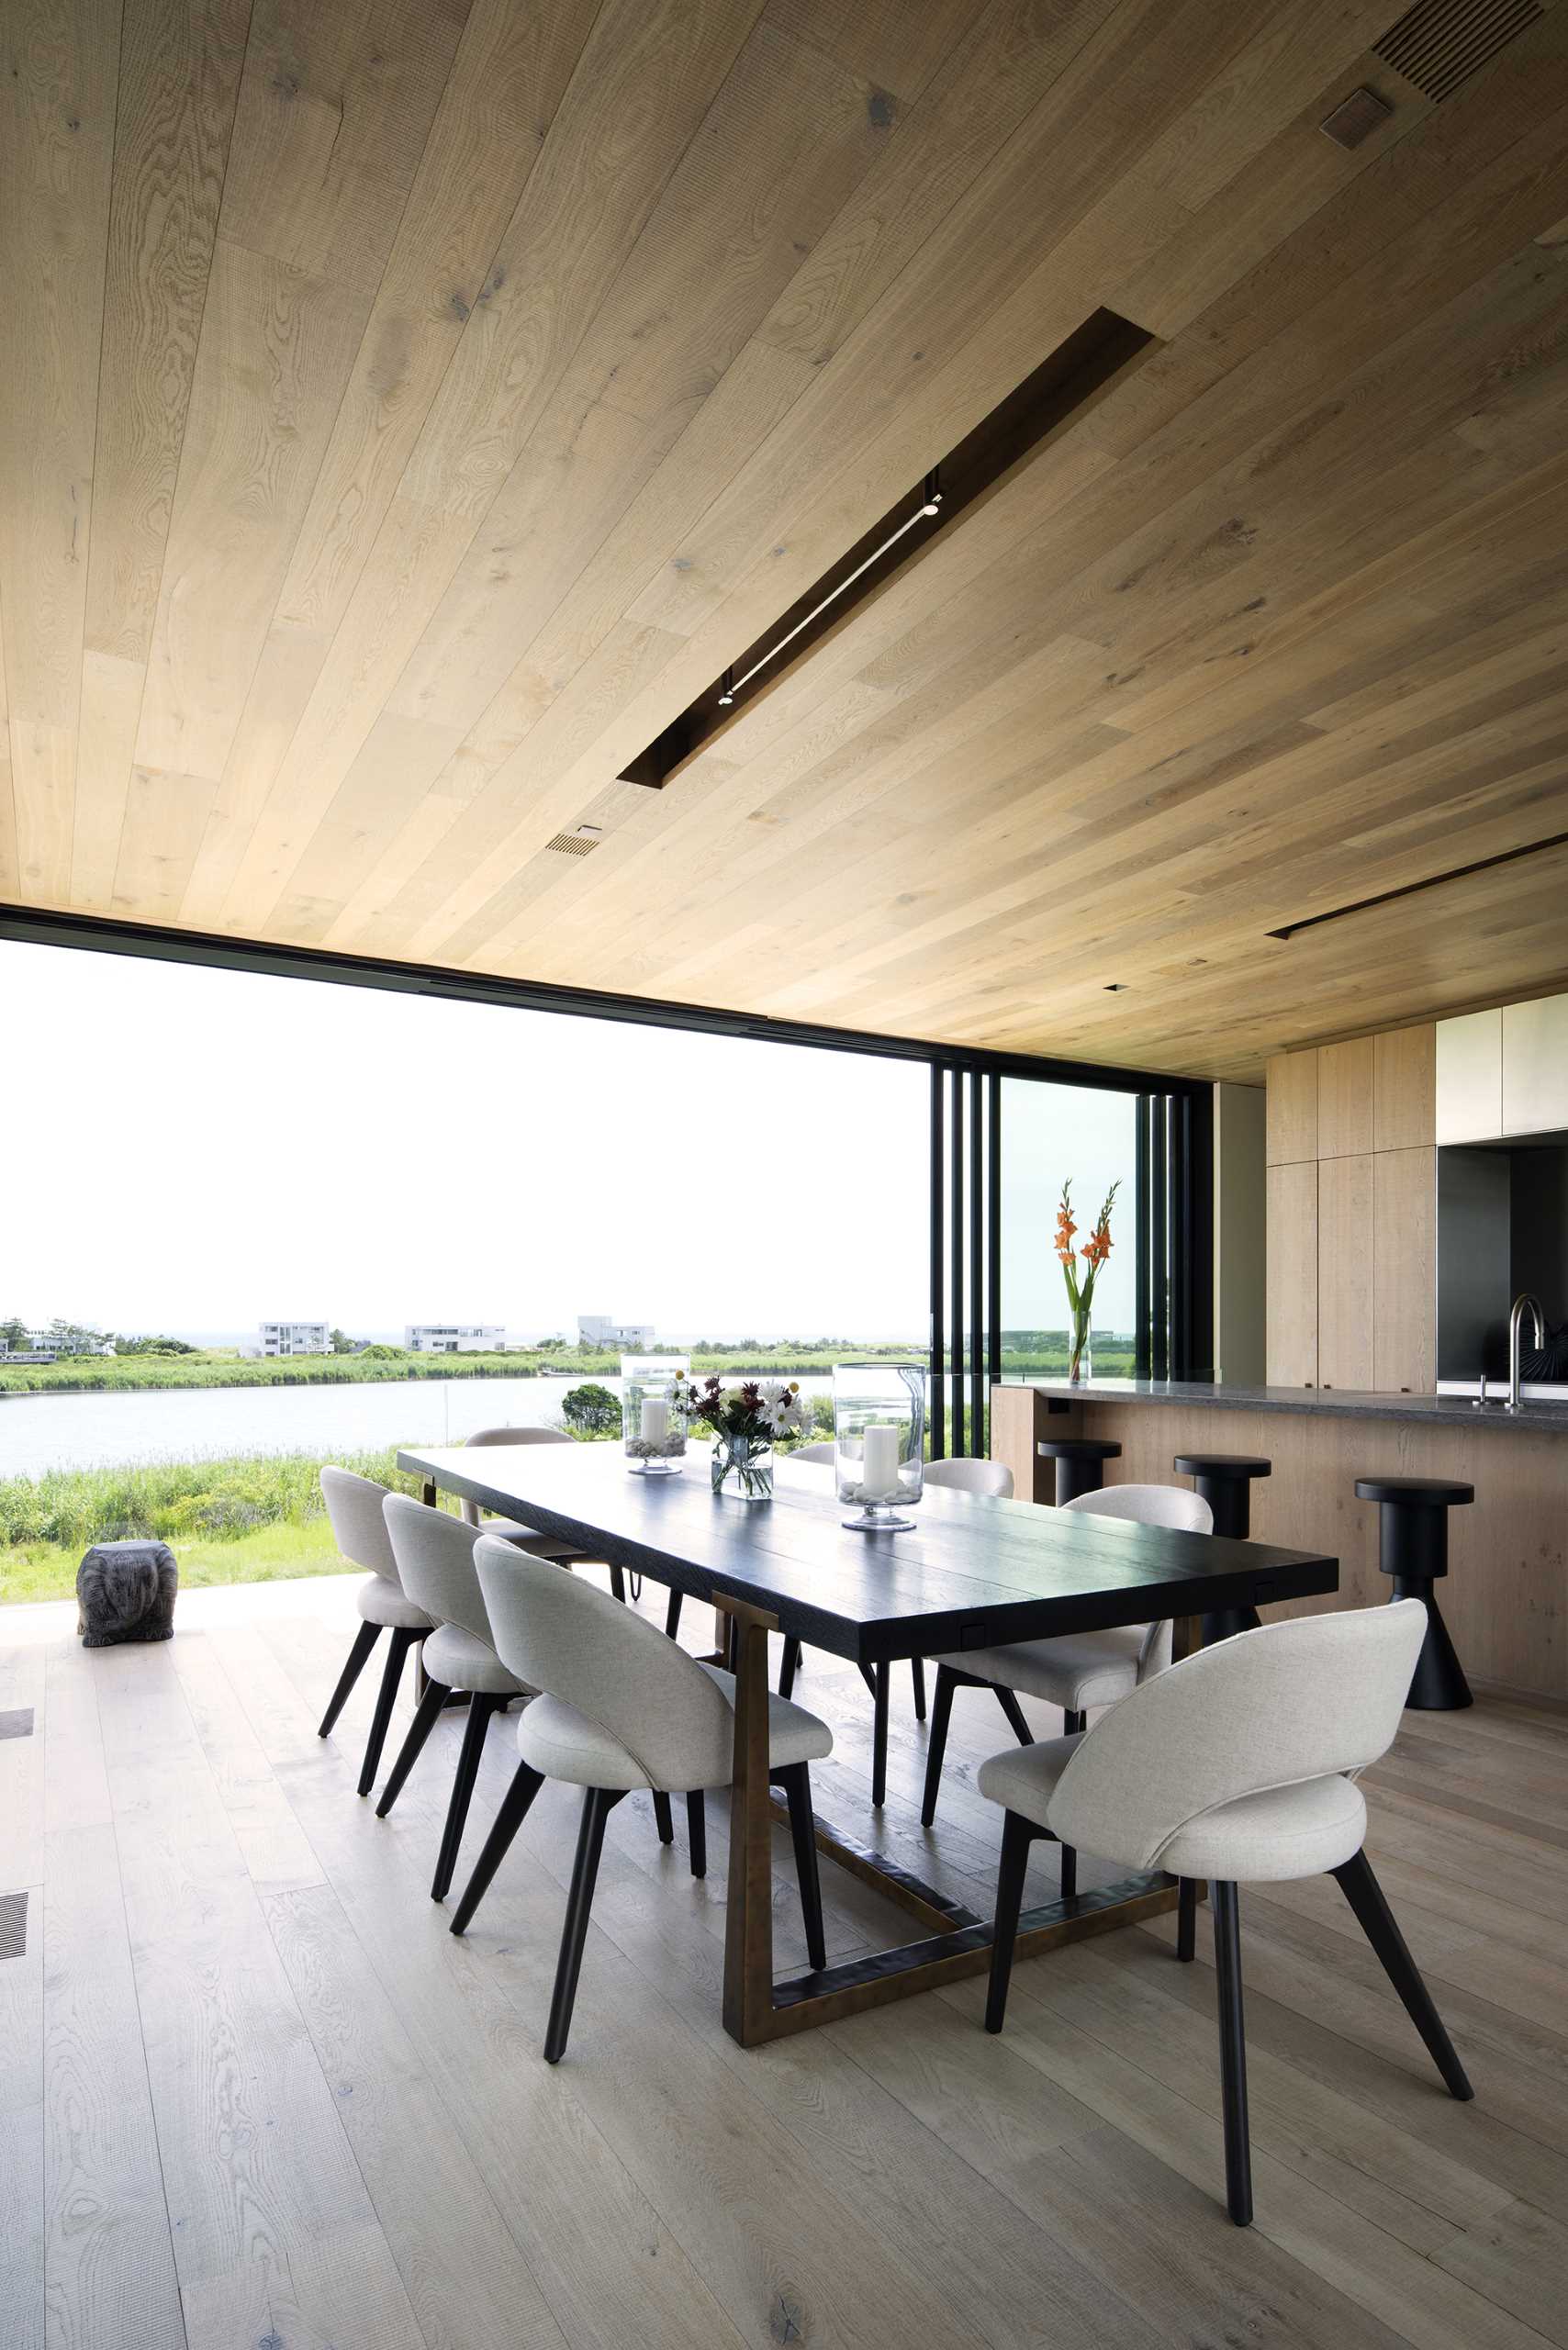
[[1515, 1319]]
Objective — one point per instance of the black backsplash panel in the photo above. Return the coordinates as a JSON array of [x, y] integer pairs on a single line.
[[1501, 1227]]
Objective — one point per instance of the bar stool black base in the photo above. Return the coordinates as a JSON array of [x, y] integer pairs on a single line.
[[1224, 1480], [1413, 1552], [1437, 1685], [1224, 1623]]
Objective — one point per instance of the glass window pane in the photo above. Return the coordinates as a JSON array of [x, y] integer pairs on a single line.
[[1050, 1134]]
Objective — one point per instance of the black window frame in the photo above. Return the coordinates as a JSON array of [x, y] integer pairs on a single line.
[[1174, 1216]]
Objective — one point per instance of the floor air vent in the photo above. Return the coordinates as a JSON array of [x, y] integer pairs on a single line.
[[13, 1925], [580, 843], [18, 1723], [1440, 43]]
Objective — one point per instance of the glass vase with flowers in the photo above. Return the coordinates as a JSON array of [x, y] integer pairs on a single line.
[[1080, 1285], [746, 1421]]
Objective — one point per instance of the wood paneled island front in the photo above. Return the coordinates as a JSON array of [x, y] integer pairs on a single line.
[[1505, 1598]]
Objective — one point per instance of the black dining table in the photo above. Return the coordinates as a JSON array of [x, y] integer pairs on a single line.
[[973, 1573]]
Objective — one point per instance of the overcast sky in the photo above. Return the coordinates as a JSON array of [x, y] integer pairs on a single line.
[[199, 1151]]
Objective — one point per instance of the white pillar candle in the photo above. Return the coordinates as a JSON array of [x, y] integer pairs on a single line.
[[880, 1463], [655, 1419]]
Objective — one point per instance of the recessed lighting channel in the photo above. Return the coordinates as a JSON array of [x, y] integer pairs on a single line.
[[1077, 374]]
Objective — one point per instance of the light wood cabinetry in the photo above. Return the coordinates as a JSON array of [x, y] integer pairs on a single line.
[[1404, 1255], [1291, 1126], [1469, 1106], [1345, 1346], [1405, 1089], [1292, 1274], [1352, 1212], [1345, 1099], [1535, 1066]]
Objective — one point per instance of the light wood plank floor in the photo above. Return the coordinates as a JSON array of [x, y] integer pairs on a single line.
[[253, 2092]]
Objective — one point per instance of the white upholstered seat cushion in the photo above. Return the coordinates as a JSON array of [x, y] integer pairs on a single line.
[[459, 1659], [556, 1739], [1077, 1670], [1275, 1835], [380, 1602]]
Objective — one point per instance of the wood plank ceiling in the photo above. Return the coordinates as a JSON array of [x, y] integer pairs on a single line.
[[408, 405]]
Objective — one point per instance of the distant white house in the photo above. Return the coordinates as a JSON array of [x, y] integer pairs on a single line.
[[598, 1330], [47, 1346], [454, 1337], [293, 1338]]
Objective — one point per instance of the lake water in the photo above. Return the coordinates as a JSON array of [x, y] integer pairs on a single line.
[[39, 1432]]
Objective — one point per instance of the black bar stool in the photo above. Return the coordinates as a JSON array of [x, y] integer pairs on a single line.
[[1224, 1480], [1413, 1548], [1081, 1463]]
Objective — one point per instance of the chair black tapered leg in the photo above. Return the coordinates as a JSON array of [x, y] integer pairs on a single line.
[[868, 1677], [1008, 1701], [662, 1816], [1232, 2054], [1186, 1918], [880, 1736], [936, 1741], [1377, 1921], [617, 1583], [696, 1830], [526, 1783], [598, 1805], [796, 1782], [392, 1673], [917, 1673], [364, 1640], [1072, 1724], [788, 1665], [480, 1709], [1017, 1835], [672, 1616], [425, 1715]]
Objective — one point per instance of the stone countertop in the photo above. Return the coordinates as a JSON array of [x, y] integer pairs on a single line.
[[1425, 1411]]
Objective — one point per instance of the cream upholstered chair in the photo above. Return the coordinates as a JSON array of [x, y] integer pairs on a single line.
[[1237, 1765], [991, 1478], [353, 1506], [435, 1558], [435, 1561], [625, 1708], [542, 1546], [1081, 1670]]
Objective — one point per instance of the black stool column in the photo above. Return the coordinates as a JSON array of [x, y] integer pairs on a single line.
[[1081, 1463], [1224, 1480], [1412, 1549]]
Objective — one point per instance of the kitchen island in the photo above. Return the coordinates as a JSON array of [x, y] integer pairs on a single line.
[[1505, 1598]]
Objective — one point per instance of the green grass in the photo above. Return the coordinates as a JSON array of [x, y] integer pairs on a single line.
[[219, 1367], [271, 1554], [237, 1520]]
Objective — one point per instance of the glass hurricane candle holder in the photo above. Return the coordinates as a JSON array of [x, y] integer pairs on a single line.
[[878, 1429], [653, 1416]]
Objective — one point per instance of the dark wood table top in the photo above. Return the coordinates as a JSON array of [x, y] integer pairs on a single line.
[[974, 1572]]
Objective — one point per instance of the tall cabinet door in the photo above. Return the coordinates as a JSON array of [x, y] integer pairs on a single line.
[[1345, 1345], [1405, 1283], [1293, 1275]]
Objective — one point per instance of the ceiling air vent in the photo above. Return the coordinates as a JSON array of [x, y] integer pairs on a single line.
[[1094, 357], [13, 1925], [578, 843], [1440, 43]]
